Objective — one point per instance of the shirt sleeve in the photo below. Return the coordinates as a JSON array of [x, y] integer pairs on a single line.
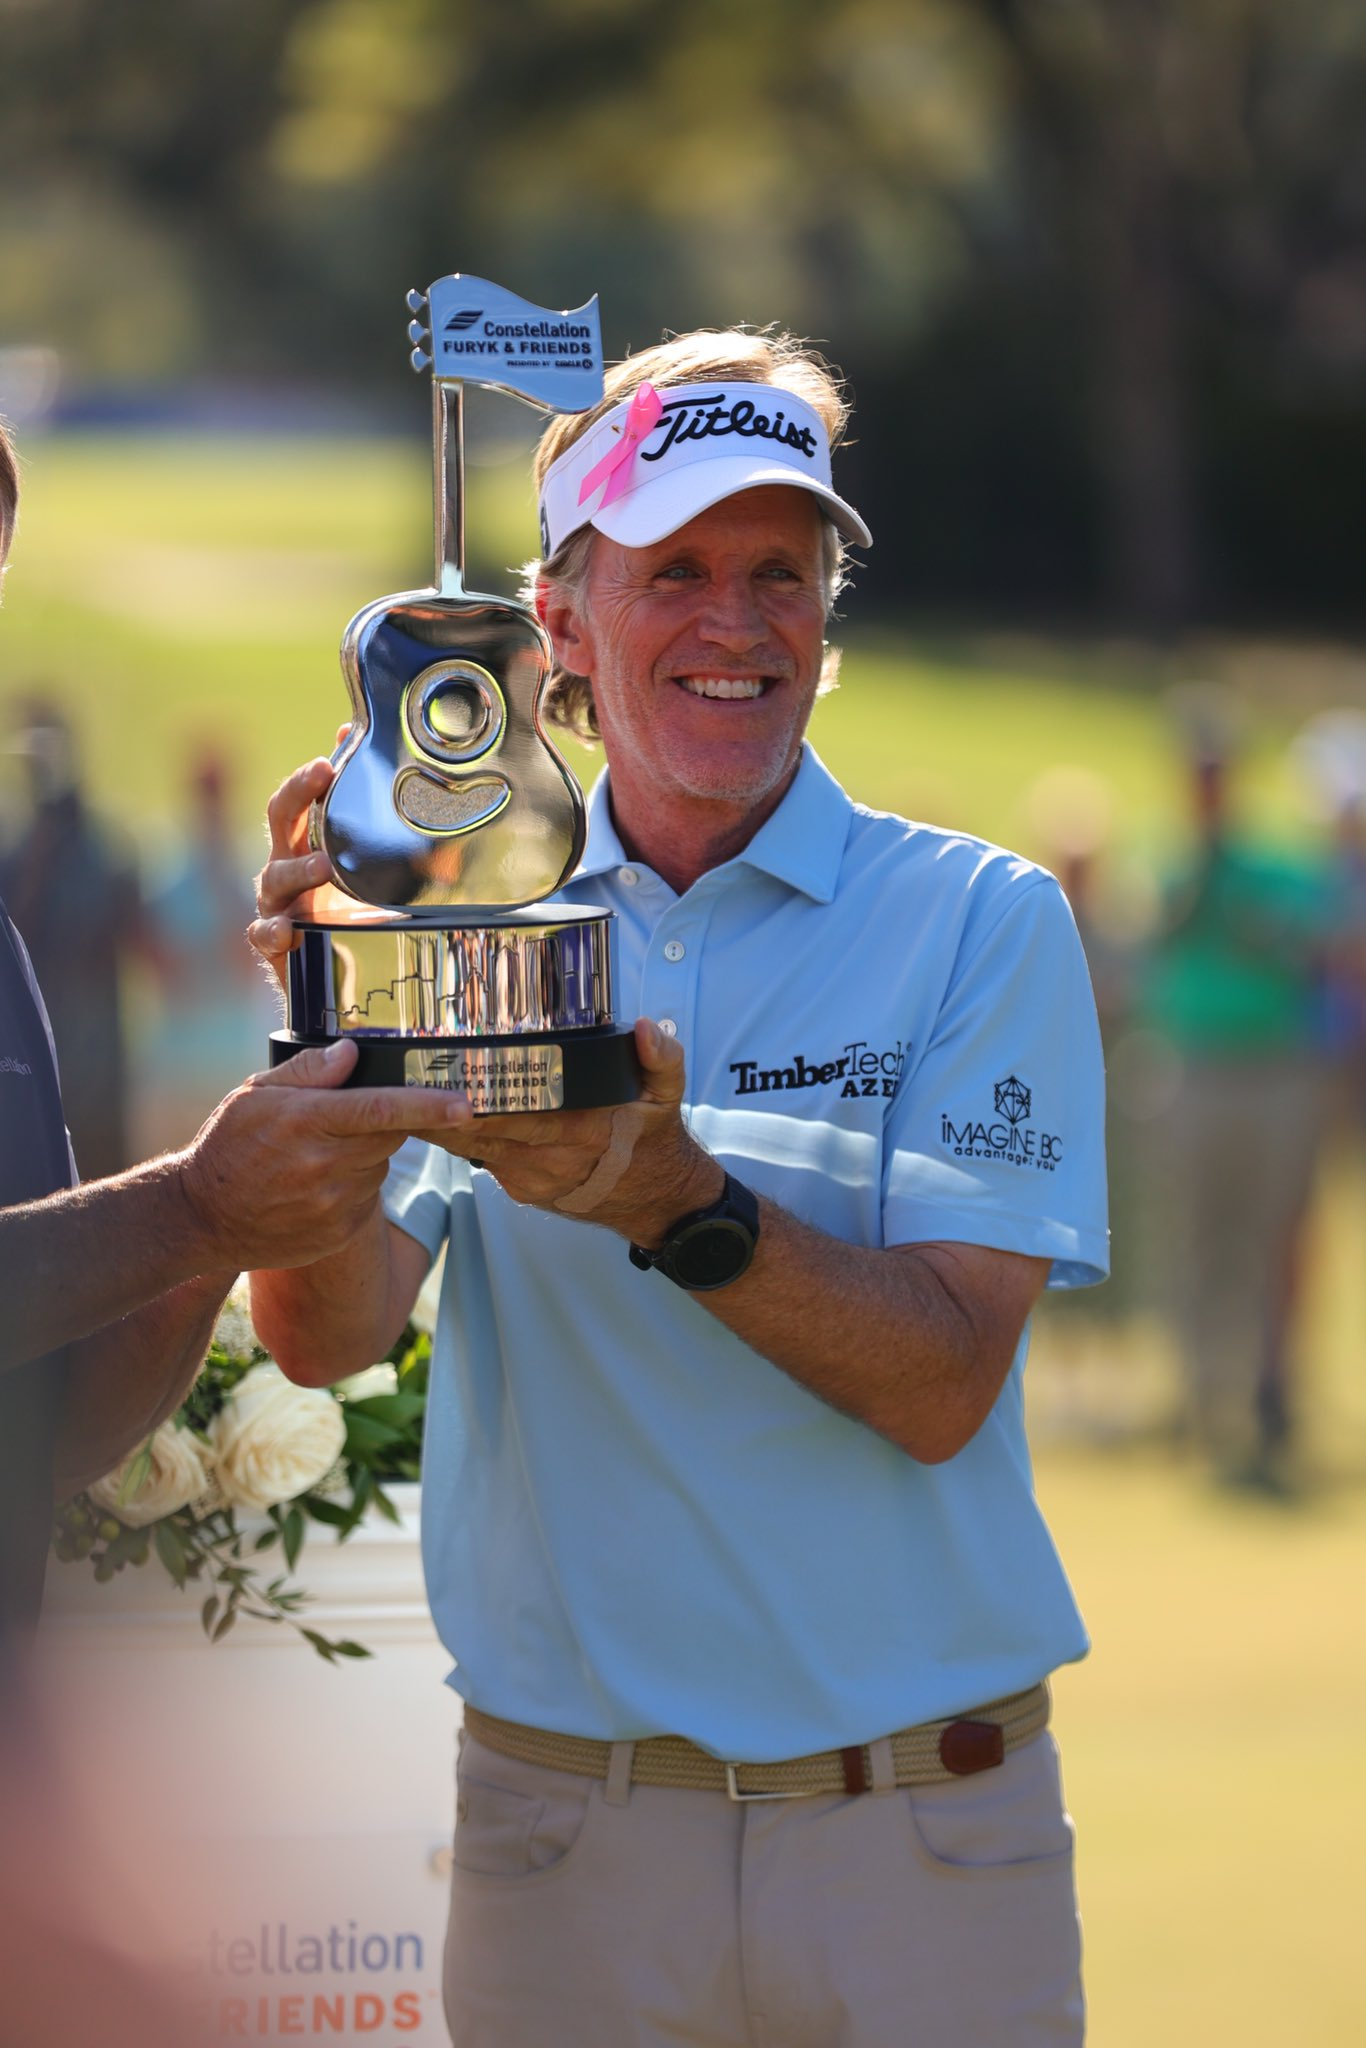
[[417, 1192], [997, 1135], [31, 982]]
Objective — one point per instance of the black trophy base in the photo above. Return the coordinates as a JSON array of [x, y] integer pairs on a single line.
[[584, 1068]]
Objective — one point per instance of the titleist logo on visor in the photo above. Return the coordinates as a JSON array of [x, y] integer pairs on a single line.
[[663, 456], [704, 419]]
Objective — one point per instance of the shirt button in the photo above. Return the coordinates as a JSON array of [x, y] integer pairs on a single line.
[[675, 950], [629, 876], [668, 1027]]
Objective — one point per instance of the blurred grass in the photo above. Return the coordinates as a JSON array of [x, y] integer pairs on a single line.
[[1212, 1742], [171, 590], [1213, 1755]]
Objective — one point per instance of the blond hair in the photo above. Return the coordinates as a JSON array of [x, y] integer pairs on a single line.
[[732, 355]]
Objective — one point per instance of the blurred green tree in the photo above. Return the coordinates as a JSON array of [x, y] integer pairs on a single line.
[[1096, 265]]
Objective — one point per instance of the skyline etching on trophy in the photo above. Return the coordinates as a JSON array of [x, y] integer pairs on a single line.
[[523, 976]]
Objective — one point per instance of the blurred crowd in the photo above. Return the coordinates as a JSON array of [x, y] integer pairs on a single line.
[[1234, 1013], [157, 1002], [1233, 1007]]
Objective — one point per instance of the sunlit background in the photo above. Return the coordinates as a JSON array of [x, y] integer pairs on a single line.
[[1096, 272]]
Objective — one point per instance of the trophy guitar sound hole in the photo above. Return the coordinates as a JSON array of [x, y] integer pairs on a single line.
[[454, 712]]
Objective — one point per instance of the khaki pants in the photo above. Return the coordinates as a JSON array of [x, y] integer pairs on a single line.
[[592, 1915]]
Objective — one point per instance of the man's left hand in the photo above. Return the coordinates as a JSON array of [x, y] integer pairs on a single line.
[[634, 1169], [296, 878]]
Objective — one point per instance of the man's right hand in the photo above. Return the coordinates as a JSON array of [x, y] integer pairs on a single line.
[[288, 1168]]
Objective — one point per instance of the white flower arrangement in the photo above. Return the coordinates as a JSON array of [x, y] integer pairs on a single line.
[[173, 1473], [247, 1438], [272, 1440]]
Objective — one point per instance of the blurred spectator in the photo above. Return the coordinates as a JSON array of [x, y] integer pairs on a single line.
[[1071, 813], [1231, 983], [216, 1008], [1331, 755], [72, 890]]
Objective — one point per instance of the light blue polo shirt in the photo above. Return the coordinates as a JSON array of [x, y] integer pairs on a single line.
[[635, 1525]]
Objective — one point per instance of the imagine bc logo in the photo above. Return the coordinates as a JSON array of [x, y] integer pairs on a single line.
[[1006, 1140], [1012, 1100]]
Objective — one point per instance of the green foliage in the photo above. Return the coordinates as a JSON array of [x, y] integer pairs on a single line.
[[133, 1478]]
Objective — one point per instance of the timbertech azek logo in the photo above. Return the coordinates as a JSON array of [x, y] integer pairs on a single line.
[[858, 1067], [1005, 1137]]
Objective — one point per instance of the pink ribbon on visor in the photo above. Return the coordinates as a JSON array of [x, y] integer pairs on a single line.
[[643, 416]]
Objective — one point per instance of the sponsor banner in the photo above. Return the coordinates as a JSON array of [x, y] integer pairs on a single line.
[[345, 1947]]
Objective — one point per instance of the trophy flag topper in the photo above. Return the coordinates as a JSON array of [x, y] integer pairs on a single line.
[[481, 333]]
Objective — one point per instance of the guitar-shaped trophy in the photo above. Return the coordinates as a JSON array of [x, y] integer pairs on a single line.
[[451, 815]]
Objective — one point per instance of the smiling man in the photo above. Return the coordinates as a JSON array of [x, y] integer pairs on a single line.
[[703, 720], [729, 1525]]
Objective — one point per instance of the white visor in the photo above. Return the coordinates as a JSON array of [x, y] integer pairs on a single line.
[[706, 442]]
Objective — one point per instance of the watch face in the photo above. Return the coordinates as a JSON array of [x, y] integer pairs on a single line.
[[711, 1254]]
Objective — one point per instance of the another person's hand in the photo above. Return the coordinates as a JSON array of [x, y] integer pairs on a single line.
[[288, 1168], [294, 880], [634, 1169]]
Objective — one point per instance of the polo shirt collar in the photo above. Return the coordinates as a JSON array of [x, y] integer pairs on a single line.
[[802, 844]]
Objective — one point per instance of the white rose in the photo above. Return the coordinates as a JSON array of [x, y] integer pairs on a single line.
[[273, 1440], [177, 1475], [363, 1386]]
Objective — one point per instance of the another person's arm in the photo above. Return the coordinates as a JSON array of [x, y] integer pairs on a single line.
[[124, 1379], [129, 1272]]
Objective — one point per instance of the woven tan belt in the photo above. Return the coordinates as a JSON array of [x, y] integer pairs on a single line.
[[927, 1755]]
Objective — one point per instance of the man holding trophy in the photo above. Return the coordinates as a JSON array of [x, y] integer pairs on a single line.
[[729, 1525]]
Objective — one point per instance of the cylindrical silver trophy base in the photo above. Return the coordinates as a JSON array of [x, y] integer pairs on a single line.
[[515, 1008]]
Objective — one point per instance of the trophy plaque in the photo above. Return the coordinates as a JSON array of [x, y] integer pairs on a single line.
[[452, 816]]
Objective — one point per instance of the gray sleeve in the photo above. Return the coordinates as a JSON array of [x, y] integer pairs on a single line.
[[26, 967]]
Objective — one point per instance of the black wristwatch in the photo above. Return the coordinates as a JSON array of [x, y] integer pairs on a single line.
[[711, 1247]]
